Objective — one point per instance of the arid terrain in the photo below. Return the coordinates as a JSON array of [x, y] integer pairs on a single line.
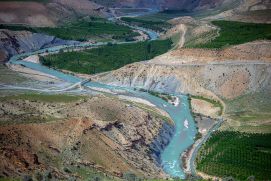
[[55, 128], [58, 133]]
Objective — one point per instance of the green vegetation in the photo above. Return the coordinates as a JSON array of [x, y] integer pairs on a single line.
[[233, 33], [89, 174], [214, 102], [250, 112], [34, 117], [258, 102], [9, 179], [52, 98], [82, 30], [192, 40], [154, 25], [175, 40], [164, 96], [8, 77], [106, 58], [235, 154]]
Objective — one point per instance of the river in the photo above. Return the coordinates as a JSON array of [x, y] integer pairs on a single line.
[[185, 129]]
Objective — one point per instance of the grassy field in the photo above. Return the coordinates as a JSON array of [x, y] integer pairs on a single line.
[[106, 58], [233, 33], [8, 77], [235, 154], [159, 26], [82, 30], [50, 98], [253, 102], [249, 113]]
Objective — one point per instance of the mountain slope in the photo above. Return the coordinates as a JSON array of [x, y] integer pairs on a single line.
[[47, 14]]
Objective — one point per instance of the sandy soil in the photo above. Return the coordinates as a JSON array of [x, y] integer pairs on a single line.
[[27, 72], [135, 99], [32, 58], [248, 52], [208, 177], [205, 108]]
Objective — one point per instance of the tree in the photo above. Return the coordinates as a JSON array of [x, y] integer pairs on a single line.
[[149, 48]]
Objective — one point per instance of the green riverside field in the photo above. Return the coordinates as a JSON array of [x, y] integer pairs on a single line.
[[106, 58], [234, 33], [235, 154]]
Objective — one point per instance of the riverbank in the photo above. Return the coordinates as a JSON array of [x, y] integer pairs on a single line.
[[204, 126], [166, 154], [205, 114]]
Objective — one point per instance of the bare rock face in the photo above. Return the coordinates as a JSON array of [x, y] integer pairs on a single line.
[[227, 80], [100, 133], [16, 42]]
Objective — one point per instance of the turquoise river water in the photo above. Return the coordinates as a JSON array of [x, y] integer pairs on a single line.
[[185, 129]]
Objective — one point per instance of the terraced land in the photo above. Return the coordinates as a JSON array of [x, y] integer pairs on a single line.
[[82, 30], [234, 33], [236, 154], [107, 58]]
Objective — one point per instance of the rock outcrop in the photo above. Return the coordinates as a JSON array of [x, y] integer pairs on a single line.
[[16, 42], [100, 133], [227, 80]]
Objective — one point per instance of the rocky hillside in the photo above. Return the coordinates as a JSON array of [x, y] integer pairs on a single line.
[[16, 42], [257, 11], [47, 13], [188, 5], [52, 12], [226, 80], [70, 137], [226, 73], [167, 4]]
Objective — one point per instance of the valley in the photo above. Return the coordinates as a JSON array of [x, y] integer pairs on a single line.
[[146, 94]]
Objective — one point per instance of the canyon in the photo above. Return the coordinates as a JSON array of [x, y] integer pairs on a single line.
[[146, 120]]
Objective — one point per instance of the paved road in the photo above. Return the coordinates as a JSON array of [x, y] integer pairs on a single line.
[[192, 159]]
